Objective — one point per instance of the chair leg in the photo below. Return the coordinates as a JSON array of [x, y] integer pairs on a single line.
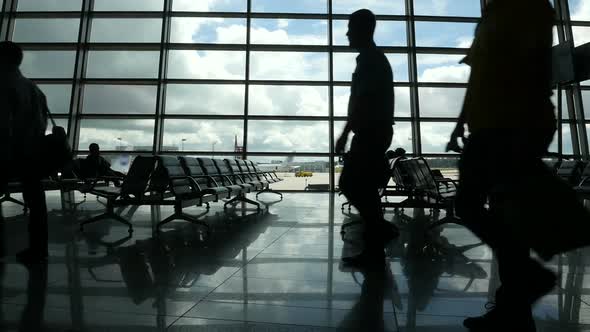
[[268, 190], [110, 214], [8, 198], [180, 215], [241, 198]]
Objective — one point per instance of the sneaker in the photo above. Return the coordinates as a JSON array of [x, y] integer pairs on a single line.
[[29, 256], [497, 319]]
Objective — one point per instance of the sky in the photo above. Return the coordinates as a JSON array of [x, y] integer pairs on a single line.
[[263, 135]]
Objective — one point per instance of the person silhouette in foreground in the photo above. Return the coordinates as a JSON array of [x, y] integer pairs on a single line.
[[23, 122], [97, 165], [511, 120], [370, 118]]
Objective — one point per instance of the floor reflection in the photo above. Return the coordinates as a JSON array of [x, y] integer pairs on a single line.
[[263, 272]]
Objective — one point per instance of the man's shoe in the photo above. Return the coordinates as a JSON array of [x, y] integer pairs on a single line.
[[498, 319], [29, 256]]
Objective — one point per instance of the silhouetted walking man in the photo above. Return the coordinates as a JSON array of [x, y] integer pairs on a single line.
[[23, 121], [370, 118], [511, 119]]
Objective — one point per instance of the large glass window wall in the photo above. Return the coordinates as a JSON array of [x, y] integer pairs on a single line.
[[269, 79]]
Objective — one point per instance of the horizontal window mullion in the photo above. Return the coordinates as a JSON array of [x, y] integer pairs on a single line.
[[119, 81], [284, 153], [448, 19], [116, 116], [441, 50], [287, 118], [46, 15]]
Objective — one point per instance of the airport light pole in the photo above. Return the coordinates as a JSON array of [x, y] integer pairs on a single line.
[[182, 144]]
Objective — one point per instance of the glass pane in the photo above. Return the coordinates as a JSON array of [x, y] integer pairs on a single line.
[[388, 7], [441, 102], [119, 134], [207, 64], [128, 5], [579, 10], [442, 68], [288, 100], [567, 140], [202, 135], [56, 30], [298, 173], [565, 114], [435, 136], [123, 64], [209, 5], [436, 34], [58, 97], [48, 64], [126, 30], [290, 6], [585, 102], [289, 66], [208, 30], [469, 8], [402, 101], [205, 99], [60, 122], [402, 135], [49, 5], [289, 32], [119, 99], [387, 33], [288, 136], [345, 64], [581, 35], [449, 167]]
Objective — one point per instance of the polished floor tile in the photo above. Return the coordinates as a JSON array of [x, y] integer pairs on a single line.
[[279, 270]]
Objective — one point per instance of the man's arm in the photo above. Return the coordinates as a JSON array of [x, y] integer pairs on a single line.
[[458, 132]]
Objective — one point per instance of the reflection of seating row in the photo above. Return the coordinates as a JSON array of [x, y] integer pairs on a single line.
[[183, 182]]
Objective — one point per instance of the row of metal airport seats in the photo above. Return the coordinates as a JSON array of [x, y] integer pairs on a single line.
[[183, 182]]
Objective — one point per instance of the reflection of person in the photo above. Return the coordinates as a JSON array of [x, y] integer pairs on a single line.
[[370, 118], [32, 316], [510, 117], [23, 121]]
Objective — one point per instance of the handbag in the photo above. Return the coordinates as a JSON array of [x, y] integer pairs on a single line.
[[56, 152]]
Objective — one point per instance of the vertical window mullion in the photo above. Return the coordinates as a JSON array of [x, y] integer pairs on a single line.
[[413, 78], [247, 80], [332, 180], [77, 96], [162, 74]]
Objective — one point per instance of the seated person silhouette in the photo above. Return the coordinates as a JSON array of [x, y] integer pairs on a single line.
[[95, 165]]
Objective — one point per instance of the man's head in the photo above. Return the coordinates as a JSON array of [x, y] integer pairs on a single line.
[[361, 27], [94, 149], [11, 55]]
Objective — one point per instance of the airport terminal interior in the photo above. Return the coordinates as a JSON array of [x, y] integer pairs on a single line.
[[260, 88]]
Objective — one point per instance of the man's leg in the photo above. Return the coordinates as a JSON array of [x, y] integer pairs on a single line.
[[34, 197]]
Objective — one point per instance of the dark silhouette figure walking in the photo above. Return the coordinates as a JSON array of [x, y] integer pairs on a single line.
[[370, 118], [23, 121], [511, 119]]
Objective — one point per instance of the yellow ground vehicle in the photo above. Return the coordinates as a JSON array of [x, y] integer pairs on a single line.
[[303, 174]]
